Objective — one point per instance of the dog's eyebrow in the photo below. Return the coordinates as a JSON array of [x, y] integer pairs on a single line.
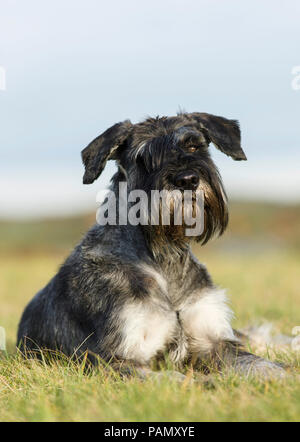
[[189, 136]]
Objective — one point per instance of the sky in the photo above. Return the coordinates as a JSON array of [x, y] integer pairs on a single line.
[[74, 68]]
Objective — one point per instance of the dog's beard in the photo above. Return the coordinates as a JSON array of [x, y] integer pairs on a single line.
[[215, 211], [214, 216]]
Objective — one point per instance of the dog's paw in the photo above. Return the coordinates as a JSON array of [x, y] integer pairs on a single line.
[[169, 375], [261, 368], [166, 375]]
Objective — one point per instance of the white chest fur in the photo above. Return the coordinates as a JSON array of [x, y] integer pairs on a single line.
[[148, 329], [207, 320]]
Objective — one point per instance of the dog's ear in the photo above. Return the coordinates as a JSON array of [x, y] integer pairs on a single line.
[[102, 149], [225, 134]]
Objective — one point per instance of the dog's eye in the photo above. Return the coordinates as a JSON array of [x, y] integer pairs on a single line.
[[192, 149]]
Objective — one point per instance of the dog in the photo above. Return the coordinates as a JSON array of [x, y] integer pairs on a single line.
[[131, 294]]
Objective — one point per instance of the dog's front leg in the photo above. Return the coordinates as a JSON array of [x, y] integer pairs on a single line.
[[206, 321], [230, 356], [132, 369]]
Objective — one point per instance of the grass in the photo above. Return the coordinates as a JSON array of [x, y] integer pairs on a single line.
[[32, 391], [263, 285]]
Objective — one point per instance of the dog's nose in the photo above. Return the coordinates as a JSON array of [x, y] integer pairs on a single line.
[[187, 180]]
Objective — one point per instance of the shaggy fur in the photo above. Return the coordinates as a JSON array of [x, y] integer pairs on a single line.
[[131, 293]]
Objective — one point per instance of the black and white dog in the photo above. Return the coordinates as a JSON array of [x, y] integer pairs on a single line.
[[132, 293]]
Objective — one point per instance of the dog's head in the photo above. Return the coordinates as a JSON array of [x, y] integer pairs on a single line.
[[170, 153]]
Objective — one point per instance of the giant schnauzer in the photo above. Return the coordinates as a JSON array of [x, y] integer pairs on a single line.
[[131, 294]]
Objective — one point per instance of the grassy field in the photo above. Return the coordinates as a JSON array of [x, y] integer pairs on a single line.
[[257, 260]]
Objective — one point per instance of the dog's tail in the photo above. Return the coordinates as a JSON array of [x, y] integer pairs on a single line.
[[263, 336]]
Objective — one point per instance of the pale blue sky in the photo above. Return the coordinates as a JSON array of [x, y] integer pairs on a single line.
[[73, 68]]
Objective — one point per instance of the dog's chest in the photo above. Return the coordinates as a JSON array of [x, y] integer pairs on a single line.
[[155, 325]]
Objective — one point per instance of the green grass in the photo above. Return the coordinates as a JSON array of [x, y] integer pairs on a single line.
[[32, 391], [263, 285]]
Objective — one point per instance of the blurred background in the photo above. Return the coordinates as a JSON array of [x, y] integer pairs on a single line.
[[74, 68]]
